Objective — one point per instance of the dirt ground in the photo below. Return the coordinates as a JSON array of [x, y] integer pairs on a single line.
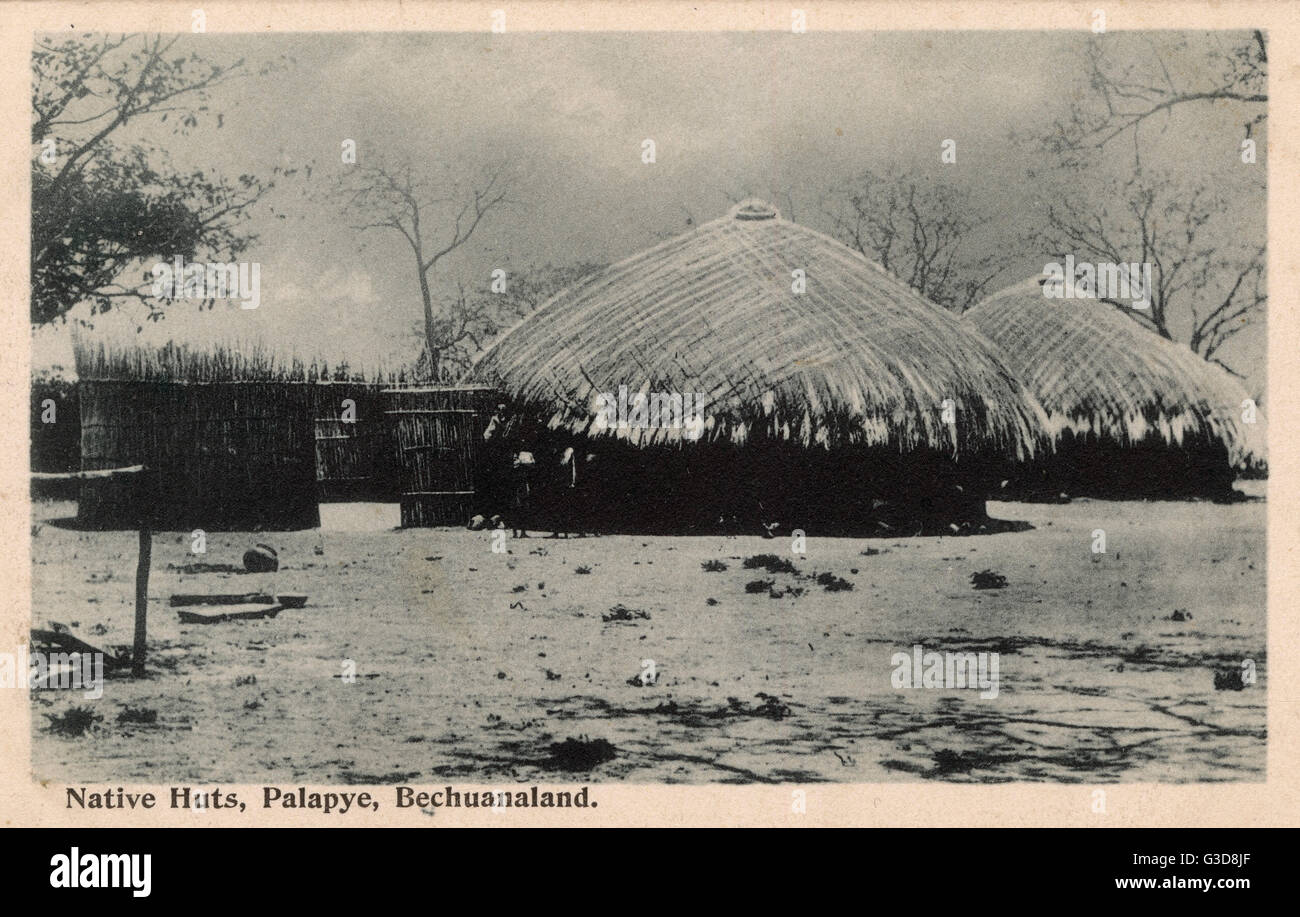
[[472, 664]]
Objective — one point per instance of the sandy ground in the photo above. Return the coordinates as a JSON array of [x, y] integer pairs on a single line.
[[472, 664]]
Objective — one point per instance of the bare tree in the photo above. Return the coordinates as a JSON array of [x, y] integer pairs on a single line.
[[916, 229], [1131, 87], [462, 323], [1205, 286], [530, 287], [474, 314], [1237, 306], [435, 218]]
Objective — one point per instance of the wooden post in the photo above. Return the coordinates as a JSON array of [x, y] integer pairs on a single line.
[[141, 602], [146, 548]]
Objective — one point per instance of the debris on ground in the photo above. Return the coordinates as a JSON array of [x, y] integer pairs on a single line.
[[261, 558], [988, 579], [771, 563], [59, 640], [74, 722], [947, 761], [202, 567], [623, 613], [769, 707], [1229, 680], [645, 678], [581, 754], [145, 716], [833, 583]]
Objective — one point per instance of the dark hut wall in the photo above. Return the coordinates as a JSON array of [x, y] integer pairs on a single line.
[[219, 455], [355, 459], [55, 447], [710, 487], [438, 432], [1088, 465]]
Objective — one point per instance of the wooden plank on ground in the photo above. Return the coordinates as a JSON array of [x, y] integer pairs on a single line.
[[215, 614]]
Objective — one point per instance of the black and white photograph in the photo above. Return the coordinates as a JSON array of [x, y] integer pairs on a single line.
[[423, 410]]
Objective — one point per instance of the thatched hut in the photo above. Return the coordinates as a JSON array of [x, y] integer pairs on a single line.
[[1136, 414], [830, 395], [226, 438]]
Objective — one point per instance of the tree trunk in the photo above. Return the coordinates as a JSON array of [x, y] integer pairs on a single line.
[[427, 296]]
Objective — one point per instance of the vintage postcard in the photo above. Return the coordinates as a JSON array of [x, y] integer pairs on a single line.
[[640, 414]]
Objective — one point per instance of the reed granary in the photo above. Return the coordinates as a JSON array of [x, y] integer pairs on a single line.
[[1137, 415], [797, 386], [356, 457], [225, 435]]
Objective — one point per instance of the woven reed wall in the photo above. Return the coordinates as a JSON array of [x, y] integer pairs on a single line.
[[439, 435], [355, 460], [219, 455], [55, 447]]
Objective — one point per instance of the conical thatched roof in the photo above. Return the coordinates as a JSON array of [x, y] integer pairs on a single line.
[[857, 358], [1099, 372]]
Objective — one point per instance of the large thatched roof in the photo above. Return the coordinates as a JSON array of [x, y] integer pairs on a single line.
[[857, 358], [1099, 372]]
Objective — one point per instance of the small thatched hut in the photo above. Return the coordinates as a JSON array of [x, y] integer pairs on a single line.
[[226, 438], [829, 395], [1137, 415]]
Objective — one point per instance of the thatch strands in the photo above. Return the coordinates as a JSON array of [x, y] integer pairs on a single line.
[[183, 363], [855, 359], [125, 357], [1101, 375], [439, 435]]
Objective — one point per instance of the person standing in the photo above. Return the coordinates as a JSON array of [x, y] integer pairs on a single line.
[[523, 470]]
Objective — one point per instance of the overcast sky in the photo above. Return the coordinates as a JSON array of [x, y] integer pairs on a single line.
[[760, 113]]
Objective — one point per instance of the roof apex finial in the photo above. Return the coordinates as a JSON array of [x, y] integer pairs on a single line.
[[754, 209]]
